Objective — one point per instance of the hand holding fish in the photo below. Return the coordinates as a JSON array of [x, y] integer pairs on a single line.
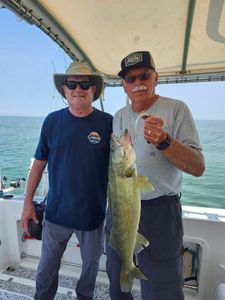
[[153, 130]]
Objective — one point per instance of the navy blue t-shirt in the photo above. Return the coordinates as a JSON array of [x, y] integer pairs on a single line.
[[77, 150]]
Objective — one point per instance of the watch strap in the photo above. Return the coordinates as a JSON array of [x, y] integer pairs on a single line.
[[165, 143]]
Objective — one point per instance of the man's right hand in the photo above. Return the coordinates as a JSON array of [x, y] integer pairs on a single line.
[[27, 214]]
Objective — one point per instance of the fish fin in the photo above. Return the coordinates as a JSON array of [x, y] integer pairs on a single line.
[[127, 276], [142, 183], [141, 242]]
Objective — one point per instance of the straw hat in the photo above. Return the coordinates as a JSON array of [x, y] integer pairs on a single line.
[[79, 69]]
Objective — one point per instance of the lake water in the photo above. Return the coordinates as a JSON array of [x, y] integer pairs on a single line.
[[19, 136]]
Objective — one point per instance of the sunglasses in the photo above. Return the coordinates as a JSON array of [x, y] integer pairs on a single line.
[[84, 85], [143, 77]]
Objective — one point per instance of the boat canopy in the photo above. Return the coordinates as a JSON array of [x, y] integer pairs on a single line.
[[186, 38]]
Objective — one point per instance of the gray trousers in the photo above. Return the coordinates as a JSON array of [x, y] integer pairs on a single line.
[[54, 242], [161, 262]]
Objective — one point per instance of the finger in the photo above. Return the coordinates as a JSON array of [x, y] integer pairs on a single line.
[[145, 116], [156, 121], [35, 219], [147, 135], [25, 227]]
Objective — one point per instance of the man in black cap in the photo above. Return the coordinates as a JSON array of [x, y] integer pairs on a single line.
[[166, 143]]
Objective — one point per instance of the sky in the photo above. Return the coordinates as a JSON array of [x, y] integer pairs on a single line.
[[28, 59]]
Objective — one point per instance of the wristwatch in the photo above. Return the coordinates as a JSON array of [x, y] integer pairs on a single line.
[[164, 144]]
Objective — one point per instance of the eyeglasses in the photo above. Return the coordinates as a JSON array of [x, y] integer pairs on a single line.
[[143, 77], [72, 85]]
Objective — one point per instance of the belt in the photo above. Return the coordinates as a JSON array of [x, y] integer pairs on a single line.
[[161, 199]]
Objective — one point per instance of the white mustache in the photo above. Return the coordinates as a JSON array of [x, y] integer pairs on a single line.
[[139, 88]]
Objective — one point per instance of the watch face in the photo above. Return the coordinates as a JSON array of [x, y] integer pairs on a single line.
[[164, 144]]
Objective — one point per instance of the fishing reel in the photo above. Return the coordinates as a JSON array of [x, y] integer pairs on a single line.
[[3, 182], [18, 182]]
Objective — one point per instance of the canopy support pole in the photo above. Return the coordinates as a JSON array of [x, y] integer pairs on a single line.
[[191, 8]]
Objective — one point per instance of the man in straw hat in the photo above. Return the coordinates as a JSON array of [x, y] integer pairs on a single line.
[[74, 141], [166, 143]]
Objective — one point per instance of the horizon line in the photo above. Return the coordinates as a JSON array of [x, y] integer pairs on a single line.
[[43, 116]]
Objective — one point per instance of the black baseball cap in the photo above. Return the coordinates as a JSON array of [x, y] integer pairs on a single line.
[[138, 59]]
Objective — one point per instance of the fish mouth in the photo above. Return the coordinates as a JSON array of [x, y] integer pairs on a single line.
[[122, 150], [127, 137], [120, 141]]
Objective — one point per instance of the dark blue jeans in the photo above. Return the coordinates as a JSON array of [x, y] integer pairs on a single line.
[[162, 261]]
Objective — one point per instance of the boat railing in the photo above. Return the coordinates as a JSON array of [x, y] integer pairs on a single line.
[[42, 189]]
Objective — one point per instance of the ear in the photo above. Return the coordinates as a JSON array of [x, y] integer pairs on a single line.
[[62, 90], [93, 89], [156, 79], [124, 86]]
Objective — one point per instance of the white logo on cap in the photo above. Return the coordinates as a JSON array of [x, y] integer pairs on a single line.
[[133, 59]]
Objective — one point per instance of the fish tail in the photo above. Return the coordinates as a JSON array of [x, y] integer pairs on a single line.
[[127, 276]]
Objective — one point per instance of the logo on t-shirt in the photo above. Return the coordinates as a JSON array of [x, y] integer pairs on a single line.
[[94, 137]]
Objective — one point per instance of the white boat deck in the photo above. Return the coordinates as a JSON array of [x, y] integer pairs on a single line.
[[204, 230], [19, 283]]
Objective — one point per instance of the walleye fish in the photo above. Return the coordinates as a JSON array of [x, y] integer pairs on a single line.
[[125, 187]]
